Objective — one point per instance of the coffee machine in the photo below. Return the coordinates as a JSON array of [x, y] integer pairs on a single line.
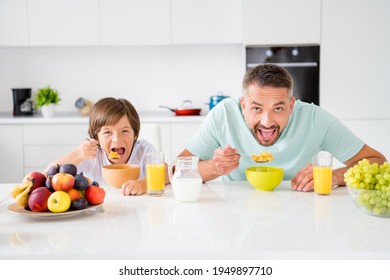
[[23, 105]]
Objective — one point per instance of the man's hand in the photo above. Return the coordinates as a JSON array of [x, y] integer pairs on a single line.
[[226, 160], [303, 180]]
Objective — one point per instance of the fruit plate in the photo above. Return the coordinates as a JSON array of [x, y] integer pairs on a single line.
[[16, 209]]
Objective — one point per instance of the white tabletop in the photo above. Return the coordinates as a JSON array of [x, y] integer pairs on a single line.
[[230, 221]]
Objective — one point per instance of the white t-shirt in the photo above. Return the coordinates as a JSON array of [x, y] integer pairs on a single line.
[[93, 168]]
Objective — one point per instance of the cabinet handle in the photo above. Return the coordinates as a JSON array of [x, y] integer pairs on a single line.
[[286, 64]]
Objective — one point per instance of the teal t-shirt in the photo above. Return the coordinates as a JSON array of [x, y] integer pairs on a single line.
[[310, 129]]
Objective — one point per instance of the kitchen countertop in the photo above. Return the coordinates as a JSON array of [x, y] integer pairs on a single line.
[[230, 221], [76, 118]]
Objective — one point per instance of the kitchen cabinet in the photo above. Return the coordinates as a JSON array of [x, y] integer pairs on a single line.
[[30, 146], [206, 22], [281, 22], [13, 23], [134, 22], [354, 59], [11, 147], [63, 22]]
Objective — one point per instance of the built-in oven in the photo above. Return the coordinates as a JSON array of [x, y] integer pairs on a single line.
[[302, 62]]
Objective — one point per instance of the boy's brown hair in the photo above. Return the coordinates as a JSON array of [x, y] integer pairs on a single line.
[[108, 111]]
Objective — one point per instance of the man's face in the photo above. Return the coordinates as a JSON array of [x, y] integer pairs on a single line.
[[266, 111]]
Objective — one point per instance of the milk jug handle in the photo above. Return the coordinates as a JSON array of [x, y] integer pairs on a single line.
[[170, 170]]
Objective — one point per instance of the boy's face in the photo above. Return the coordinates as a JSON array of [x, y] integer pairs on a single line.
[[267, 111], [117, 138]]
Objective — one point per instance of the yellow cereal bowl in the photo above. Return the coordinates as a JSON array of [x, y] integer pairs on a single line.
[[264, 178], [116, 174]]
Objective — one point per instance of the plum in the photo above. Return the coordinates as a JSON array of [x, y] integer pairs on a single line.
[[68, 168], [79, 204], [53, 170], [80, 182]]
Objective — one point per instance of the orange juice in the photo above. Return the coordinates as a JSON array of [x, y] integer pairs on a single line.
[[155, 180], [322, 176]]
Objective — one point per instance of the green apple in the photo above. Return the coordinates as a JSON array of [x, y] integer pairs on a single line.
[[59, 201]]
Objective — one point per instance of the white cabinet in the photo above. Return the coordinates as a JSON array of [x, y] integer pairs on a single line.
[[63, 22], [281, 22], [13, 23], [181, 134], [354, 58], [11, 149], [134, 22], [206, 21], [44, 143]]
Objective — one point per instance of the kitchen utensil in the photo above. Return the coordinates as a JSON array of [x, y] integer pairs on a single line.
[[116, 174], [258, 161], [215, 99], [23, 105], [185, 180], [186, 109], [264, 178]]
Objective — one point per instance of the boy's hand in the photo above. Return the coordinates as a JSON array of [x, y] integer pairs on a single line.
[[134, 187], [87, 149]]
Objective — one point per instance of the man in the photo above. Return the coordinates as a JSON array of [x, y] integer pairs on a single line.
[[268, 118]]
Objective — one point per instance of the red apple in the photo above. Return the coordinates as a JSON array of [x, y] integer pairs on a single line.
[[62, 182], [95, 195], [74, 194], [37, 200], [39, 179]]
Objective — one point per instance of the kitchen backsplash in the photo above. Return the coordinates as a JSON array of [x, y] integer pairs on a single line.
[[147, 76]]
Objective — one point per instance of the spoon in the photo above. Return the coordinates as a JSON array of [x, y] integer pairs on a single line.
[[260, 157]]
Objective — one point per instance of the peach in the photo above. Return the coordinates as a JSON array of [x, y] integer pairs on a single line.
[[62, 182]]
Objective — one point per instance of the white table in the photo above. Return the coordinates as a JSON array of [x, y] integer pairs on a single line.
[[230, 221]]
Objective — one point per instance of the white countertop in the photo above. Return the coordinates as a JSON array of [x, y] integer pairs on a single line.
[[76, 118], [230, 221]]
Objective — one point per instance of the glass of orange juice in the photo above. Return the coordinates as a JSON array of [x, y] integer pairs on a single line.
[[155, 172], [322, 173]]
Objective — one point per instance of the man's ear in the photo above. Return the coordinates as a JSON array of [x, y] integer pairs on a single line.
[[292, 102], [242, 103]]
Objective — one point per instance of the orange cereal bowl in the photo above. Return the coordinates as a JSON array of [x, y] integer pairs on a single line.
[[264, 178], [116, 174]]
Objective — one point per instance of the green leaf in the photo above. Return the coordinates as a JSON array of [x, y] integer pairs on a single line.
[[46, 96]]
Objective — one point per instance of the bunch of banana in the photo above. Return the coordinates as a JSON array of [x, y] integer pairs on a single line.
[[21, 193]]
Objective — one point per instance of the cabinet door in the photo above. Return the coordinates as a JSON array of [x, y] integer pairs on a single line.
[[355, 58], [11, 149], [181, 134], [13, 23], [281, 22], [206, 21], [134, 22], [63, 22]]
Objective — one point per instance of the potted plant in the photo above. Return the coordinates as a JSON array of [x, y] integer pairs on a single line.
[[46, 98]]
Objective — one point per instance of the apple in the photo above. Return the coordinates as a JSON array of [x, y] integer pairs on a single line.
[[59, 201], [95, 195], [37, 201], [38, 178], [74, 194], [62, 182]]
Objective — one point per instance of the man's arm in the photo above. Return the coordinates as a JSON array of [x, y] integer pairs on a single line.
[[224, 161]]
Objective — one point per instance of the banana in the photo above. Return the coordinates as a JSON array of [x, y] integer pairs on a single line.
[[22, 198], [14, 191]]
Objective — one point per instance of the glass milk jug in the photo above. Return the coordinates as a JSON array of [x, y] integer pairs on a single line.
[[185, 180]]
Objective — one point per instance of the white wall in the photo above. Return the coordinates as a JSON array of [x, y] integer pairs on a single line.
[[147, 76]]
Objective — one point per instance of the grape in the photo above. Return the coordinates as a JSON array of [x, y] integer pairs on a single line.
[[371, 183]]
